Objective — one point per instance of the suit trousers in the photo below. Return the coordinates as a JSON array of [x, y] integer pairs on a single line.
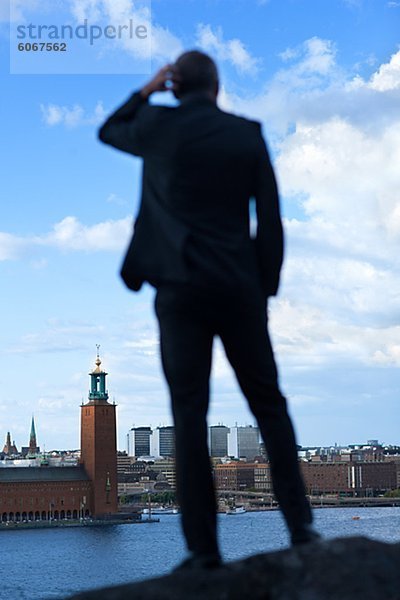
[[189, 318]]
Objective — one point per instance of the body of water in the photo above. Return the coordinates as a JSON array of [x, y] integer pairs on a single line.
[[43, 564]]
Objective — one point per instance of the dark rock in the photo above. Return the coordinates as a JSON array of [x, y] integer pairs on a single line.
[[342, 569]]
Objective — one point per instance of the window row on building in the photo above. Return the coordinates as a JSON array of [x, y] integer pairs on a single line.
[[44, 515]]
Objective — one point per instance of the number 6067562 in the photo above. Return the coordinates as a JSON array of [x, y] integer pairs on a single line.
[[42, 47]]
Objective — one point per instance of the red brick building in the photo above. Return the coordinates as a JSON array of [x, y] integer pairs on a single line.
[[349, 478], [90, 489], [239, 476], [44, 493]]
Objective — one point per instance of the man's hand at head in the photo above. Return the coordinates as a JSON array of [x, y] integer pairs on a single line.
[[165, 79]]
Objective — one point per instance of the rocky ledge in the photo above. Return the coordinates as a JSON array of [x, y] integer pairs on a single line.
[[341, 569]]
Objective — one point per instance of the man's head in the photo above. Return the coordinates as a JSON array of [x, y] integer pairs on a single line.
[[195, 72]]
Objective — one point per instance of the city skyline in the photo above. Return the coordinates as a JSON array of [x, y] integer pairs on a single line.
[[8, 435], [325, 83]]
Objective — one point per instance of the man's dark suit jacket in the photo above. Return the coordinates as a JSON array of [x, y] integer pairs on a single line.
[[201, 167]]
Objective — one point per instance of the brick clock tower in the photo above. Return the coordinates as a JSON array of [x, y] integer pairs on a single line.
[[99, 444]]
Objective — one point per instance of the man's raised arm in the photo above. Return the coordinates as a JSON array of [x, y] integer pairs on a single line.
[[122, 129]]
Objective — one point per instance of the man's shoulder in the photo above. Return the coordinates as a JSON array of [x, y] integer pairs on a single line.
[[162, 110], [241, 121]]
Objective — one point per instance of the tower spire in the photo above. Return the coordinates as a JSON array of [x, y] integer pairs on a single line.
[[7, 445], [32, 440], [33, 432], [98, 392]]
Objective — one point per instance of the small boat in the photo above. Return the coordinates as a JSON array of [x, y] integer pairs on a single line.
[[161, 510], [236, 510], [356, 518]]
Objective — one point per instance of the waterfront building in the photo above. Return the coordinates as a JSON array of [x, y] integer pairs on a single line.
[[234, 476], [396, 460], [139, 441], [244, 442], [218, 441], [262, 477], [39, 491], [349, 478]]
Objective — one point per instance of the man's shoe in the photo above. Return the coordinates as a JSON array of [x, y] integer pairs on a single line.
[[304, 535], [199, 561]]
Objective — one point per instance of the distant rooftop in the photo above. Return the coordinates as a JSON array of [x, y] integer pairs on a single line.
[[16, 474]]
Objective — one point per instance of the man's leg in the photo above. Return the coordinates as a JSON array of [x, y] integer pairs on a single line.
[[186, 348], [244, 333]]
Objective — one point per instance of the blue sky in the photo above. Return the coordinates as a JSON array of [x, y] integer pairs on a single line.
[[323, 77]]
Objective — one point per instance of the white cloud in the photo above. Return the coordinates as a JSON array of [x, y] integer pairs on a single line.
[[306, 336], [70, 234], [345, 173], [312, 88], [232, 51], [309, 73], [289, 54], [54, 114], [337, 141], [317, 56], [165, 46], [343, 255], [388, 75]]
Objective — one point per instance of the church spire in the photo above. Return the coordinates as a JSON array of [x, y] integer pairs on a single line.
[[7, 445], [9, 448], [33, 432], [33, 449]]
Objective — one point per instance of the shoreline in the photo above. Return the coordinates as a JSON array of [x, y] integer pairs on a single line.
[[68, 524], [353, 503]]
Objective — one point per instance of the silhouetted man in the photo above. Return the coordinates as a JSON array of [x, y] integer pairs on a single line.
[[192, 243]]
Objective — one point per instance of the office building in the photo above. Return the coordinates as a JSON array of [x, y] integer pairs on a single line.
[[139, 441], [163, 442], [244, 442], [218, 441]]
